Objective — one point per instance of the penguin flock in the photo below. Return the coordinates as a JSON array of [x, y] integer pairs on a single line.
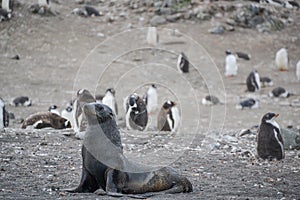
[[270, 144]]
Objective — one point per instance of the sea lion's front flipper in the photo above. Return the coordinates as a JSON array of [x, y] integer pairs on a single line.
[[87, 183]]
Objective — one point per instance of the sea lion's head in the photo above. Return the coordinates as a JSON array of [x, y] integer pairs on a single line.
[[97, 113], [85, 96]]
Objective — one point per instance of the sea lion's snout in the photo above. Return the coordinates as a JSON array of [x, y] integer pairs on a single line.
[[101, 111]]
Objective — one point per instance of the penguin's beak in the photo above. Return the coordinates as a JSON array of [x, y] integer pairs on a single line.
[[276, 115]]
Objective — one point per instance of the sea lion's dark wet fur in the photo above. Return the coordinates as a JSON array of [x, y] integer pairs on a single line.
[[97, 175], [46, 119]]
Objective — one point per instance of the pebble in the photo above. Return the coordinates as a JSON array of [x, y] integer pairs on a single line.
[[157, 20]]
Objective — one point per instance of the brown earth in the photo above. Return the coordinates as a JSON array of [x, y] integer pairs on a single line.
[[63, 53]]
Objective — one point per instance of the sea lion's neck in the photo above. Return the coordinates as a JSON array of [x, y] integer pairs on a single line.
[[111, 131]]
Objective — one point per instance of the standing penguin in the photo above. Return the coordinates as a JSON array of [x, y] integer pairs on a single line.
[[231, 67], [136, 113], [110, 100], [298, 70], [67, 113], [168, 118], [182, 63], [83, 96], [253, 81], [150, 99], [152, 36], [5, 10], [281, 60], [54, 109], [4, 115], [269, 141]]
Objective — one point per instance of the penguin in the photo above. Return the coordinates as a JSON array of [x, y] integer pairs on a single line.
[[5, 10], [210, 100], [248, 103], [21, 101], [279, 92], [67, 113], [152, 36], [54, 109], [298, 70], [136, 113], [291, 5], [86, 11], [269, 140], [281, 59], [110, 100], [150, 99], [168, 118], [83, 96], [274, 2], [44, 3], [182, 63], [231, 66], [266, 82], [253, 81], [4, 115], [239, 54]]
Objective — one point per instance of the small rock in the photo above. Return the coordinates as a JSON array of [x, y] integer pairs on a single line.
[[79, 1], [157, 20], [217, 30], [173, 18]]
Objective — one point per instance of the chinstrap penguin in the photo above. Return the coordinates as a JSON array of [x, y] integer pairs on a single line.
[[279, 92], [281, 59], [150, 99], [21, 101], [110, 100], [136, 113], [231, 66], [182, 63], [248, 103], [253, 81], [269, 140], [168, 118]]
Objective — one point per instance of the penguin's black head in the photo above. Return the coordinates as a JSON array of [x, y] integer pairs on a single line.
[[102, 112], [111, 90], [169, 104], [153, 85], [132, 100], [53, 107], [69, 109], [269, 117], [228, 52]]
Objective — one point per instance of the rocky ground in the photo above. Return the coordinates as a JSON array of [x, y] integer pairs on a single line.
[[62, 53]]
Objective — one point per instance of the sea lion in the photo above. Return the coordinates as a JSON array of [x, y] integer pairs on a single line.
[[105, 167], [46, 119]]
